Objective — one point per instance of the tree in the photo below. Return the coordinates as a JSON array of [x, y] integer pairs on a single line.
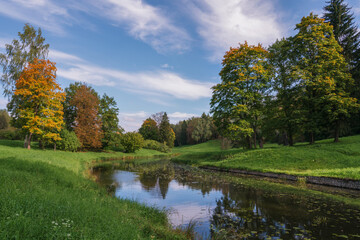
[[4, 119], [237, 103], [157, 117], [110, 121], [166, 133], [87, 125], [31, 46], [324, 74], [69, 109], [149, 129], [339, 15], [285, 108], [132, 141], [41, 99]]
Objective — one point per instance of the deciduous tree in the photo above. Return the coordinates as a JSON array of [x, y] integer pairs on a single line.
[[110, 121], [149, 129], [88, 125], [41, 98], [237, 102], [325, 76]]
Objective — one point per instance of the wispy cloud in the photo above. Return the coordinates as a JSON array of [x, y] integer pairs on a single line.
[[143, 21], [159, 82], [146, 22], [222, 24], [43, 13]]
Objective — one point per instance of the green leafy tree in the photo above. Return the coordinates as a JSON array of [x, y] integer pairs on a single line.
[[285, 108], [166, 133], [31, 45], [149, 129], [69, 141], [110, 121], [132, 141], [237, 103], [325, 76], [4, 119]]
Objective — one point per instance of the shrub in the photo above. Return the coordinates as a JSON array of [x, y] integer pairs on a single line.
[[69, 141], [155, 145], [11, 134], [132, 141]]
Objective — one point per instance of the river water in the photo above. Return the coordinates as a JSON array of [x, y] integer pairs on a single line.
[[221, 206]]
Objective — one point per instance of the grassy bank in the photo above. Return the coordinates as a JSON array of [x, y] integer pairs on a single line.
[[325, 158], [44, 195]]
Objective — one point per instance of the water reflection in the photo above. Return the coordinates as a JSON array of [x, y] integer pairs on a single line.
[[226, 209]]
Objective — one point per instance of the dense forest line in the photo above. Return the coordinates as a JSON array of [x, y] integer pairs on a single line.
[[301, 88]]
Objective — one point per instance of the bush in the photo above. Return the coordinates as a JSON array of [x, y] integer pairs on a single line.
[[155, 145], [69, 141], [132, 141], [11, 134]]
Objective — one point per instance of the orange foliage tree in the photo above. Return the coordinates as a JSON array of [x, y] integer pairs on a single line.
[[40, 109], [88, 125]]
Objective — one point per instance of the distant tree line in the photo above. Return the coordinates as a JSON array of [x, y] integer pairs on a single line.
[[301, 88]]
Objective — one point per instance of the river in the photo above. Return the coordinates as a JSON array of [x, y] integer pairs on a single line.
[[221, 206]]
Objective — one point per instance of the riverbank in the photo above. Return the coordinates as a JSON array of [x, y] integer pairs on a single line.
[[323, 159], [47, 194]]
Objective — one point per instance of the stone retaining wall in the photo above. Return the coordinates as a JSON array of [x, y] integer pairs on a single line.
[[327, 181]]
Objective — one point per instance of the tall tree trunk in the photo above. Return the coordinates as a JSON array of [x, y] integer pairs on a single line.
[[54, 146], [29, 141], [337, 131], [285, 139]]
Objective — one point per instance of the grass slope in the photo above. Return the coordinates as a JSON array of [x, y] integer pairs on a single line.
[[44, 195], [325, 158]]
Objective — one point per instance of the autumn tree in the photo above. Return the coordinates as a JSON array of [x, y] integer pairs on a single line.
[[237, 103], [69, 108], [40, 109], [110, 121], [324, 74], [87, 125], [166, 133], [149, 129]]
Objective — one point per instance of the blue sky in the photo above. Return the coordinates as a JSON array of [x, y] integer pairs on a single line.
[[151, 55]]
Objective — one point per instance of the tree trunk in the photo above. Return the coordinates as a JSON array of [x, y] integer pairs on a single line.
[[291, 140], [255, 139], [312, 140], [261, 142], [29, 141], [285, 139], [337, 131], [54, 146], [25, 141], [248, 139]]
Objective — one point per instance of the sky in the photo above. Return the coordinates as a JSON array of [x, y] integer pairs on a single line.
[[151, 55]]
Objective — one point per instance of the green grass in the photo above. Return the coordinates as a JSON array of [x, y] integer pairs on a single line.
[[44, 195], [325, 158]]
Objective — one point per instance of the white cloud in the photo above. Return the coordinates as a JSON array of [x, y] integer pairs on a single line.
[[159, 82], [43, 13], [133, 121], [145, 22], [181, 116], [167, 66], [226, 23], [141, 20]]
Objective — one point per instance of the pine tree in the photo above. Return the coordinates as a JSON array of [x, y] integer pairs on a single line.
[[166, 133]]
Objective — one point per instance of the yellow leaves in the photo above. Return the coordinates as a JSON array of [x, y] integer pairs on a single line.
[[40, 99]]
